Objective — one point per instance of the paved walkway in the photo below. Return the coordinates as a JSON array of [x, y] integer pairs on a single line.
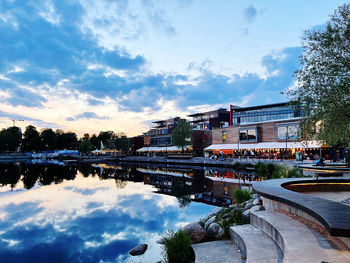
[[223, 251]]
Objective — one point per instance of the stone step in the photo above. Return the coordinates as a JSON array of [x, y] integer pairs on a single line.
[[298, 242], [222, 251], [255, 245]]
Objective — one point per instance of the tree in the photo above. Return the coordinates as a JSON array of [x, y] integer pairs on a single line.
[[323, 82], [181, 135], [31, 139], [85, 146], [48, 138], [122, 144], [10, 139]]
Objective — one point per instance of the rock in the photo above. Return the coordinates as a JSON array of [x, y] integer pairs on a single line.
[[221, 233], [257, 201], [248, 206], [139, 250], [195, 231], [210, 220], [215, 211], [246, 216], [160, 241], [214, 231]]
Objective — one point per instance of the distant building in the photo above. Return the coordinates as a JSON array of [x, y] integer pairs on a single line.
[[160, 134], [210, 119], [202, 124], [260, 128]]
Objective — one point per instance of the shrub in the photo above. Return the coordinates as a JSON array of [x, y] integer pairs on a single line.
[[270, 170], [261, 170], [177, 247], [295, 172], [228, 217], [240, 196]]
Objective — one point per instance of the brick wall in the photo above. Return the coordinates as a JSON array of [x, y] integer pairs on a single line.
[[267, 132]]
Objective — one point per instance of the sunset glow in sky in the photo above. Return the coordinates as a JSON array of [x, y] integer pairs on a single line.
[[92, 65]]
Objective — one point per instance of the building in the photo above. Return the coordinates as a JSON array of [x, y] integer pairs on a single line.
[[202, 124], [160, 134], [210, 119], [265, 129]]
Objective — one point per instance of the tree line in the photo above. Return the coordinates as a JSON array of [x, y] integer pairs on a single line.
[[32, 140]]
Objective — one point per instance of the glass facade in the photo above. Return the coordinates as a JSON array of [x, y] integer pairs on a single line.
[[158, 132], [248, 135], [161, 141], [263, 114], [288, 132]]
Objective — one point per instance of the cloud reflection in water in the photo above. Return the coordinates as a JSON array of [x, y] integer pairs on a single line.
[[88, 220]]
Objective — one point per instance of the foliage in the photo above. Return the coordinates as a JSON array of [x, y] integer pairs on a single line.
[[324, 81], [261, 170], [228, 217], [240, 196], [85, 146], [176, 247], [122, 144], [10, 139], [181, 135], [31, 139]]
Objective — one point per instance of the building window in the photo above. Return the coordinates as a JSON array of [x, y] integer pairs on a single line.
[[288, 132], [248, 135], [223, 136]]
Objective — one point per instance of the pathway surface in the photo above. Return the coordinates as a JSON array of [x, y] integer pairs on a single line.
[[223, 251]]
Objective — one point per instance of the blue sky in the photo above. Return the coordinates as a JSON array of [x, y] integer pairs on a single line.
[[87, 65]]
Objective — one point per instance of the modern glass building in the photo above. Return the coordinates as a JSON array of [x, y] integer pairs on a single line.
[[269, 112]]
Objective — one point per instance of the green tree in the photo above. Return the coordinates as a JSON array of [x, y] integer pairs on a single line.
[[31, 139], [10, 139], [324, 81], [48, 138], [181, 135], [85, 146], [122, 144]]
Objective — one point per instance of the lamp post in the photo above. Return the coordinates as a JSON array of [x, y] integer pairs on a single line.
[[286, 141]]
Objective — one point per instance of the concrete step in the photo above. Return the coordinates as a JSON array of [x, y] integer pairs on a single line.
[[222, 251], [298, 242], [255, 245]]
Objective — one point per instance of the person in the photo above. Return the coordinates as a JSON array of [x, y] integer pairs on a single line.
[[320, 162]]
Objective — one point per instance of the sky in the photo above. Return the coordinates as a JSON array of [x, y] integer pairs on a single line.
[[96, 65]]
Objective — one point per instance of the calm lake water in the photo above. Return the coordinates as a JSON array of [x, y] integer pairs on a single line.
[[51, 213]]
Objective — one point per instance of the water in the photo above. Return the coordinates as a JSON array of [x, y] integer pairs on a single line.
[[95, 213]]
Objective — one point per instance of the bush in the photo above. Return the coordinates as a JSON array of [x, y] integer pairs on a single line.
[[295, 172], [261, 170], [228, 217], [240, 196], [270, 170], [177, 247]]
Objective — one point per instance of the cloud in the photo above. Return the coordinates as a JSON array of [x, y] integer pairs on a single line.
[[249, 14], [210, 88], [87, 115], [38, 122]]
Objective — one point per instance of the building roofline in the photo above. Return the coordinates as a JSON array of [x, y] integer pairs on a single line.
[[259, 106], [208, 112]]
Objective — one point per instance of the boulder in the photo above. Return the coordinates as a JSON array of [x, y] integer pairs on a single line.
[[215, 211], [214, 231], [246, 216], [248, 206], [139, 250], [195, 231], [257, 201], [207, 224]]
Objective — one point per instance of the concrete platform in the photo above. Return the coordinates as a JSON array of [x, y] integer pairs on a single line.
[[223, 251], [297, 241], [255, 245]]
